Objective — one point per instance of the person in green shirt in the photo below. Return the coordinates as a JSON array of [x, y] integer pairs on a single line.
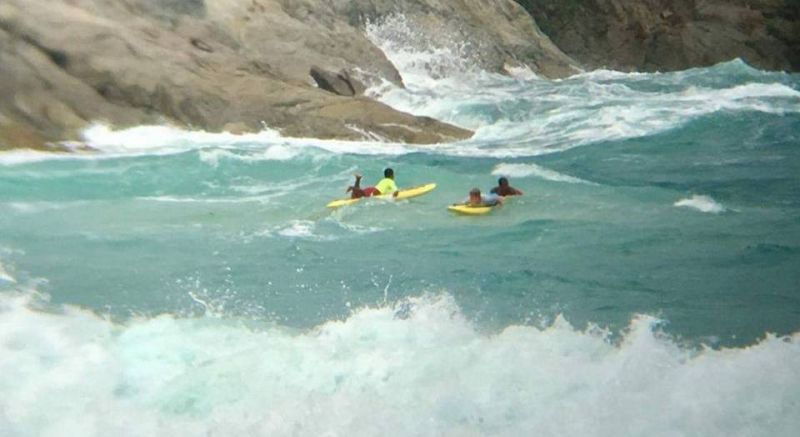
[[385, 186]]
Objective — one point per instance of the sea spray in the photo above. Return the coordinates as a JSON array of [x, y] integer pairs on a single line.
[[378, 371]]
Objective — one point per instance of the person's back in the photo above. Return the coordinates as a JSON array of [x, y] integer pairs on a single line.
[[504, 189], [387, 184]]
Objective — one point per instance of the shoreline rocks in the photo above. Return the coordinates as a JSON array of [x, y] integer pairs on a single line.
[[302, 66], [241, 64]]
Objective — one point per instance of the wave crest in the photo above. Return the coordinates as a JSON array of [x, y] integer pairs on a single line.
[[701, 203], [378, 371]]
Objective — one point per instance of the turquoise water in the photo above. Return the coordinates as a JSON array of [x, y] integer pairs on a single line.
[[647, 282]]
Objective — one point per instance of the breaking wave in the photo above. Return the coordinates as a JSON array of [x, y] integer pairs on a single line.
[[376, 372]]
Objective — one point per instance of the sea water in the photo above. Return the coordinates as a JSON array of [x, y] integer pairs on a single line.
[[647, 283]]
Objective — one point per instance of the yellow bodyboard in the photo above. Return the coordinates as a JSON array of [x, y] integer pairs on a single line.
[[470, 210], [406, 193]]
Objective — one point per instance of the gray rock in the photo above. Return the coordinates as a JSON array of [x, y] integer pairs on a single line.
[[242, 64], [338, 83]]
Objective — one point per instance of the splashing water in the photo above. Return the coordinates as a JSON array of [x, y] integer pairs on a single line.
[[193, 283]]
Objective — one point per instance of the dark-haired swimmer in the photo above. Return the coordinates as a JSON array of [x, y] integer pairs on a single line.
[[504, 189], [387, 185]]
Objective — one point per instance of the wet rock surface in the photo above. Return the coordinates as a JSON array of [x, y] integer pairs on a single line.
[[212, 64]]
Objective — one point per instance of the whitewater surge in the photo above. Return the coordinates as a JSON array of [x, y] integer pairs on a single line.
[[415, 368], [567, 114], [526, 170], [701, 203], [512, 117], [5, 276]]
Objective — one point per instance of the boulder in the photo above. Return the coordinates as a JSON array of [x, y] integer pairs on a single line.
[[338, 83]]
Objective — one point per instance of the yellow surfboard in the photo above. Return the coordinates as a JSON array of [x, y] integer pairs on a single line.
[[406, 193], [461, 208]]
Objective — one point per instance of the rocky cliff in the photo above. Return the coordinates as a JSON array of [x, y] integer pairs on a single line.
[[299, 66], [650, 35]]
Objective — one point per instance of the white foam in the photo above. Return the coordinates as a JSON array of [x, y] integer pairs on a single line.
[[377, 373], [278, 152], [520, 116], [525, 170], [419, 58], [165, 139], [358, 229], [5, 276], [522, 72], [264, 199], [34, 207], [298, 229], [512, 117], [110, 143], [607, 75], [529, 116], [701, 203], [310, 230], [774, 98], [24, 156], [266, 145]]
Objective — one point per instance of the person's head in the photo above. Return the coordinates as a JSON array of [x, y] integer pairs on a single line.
[[503, 182], [474, 196], [388, 173]]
